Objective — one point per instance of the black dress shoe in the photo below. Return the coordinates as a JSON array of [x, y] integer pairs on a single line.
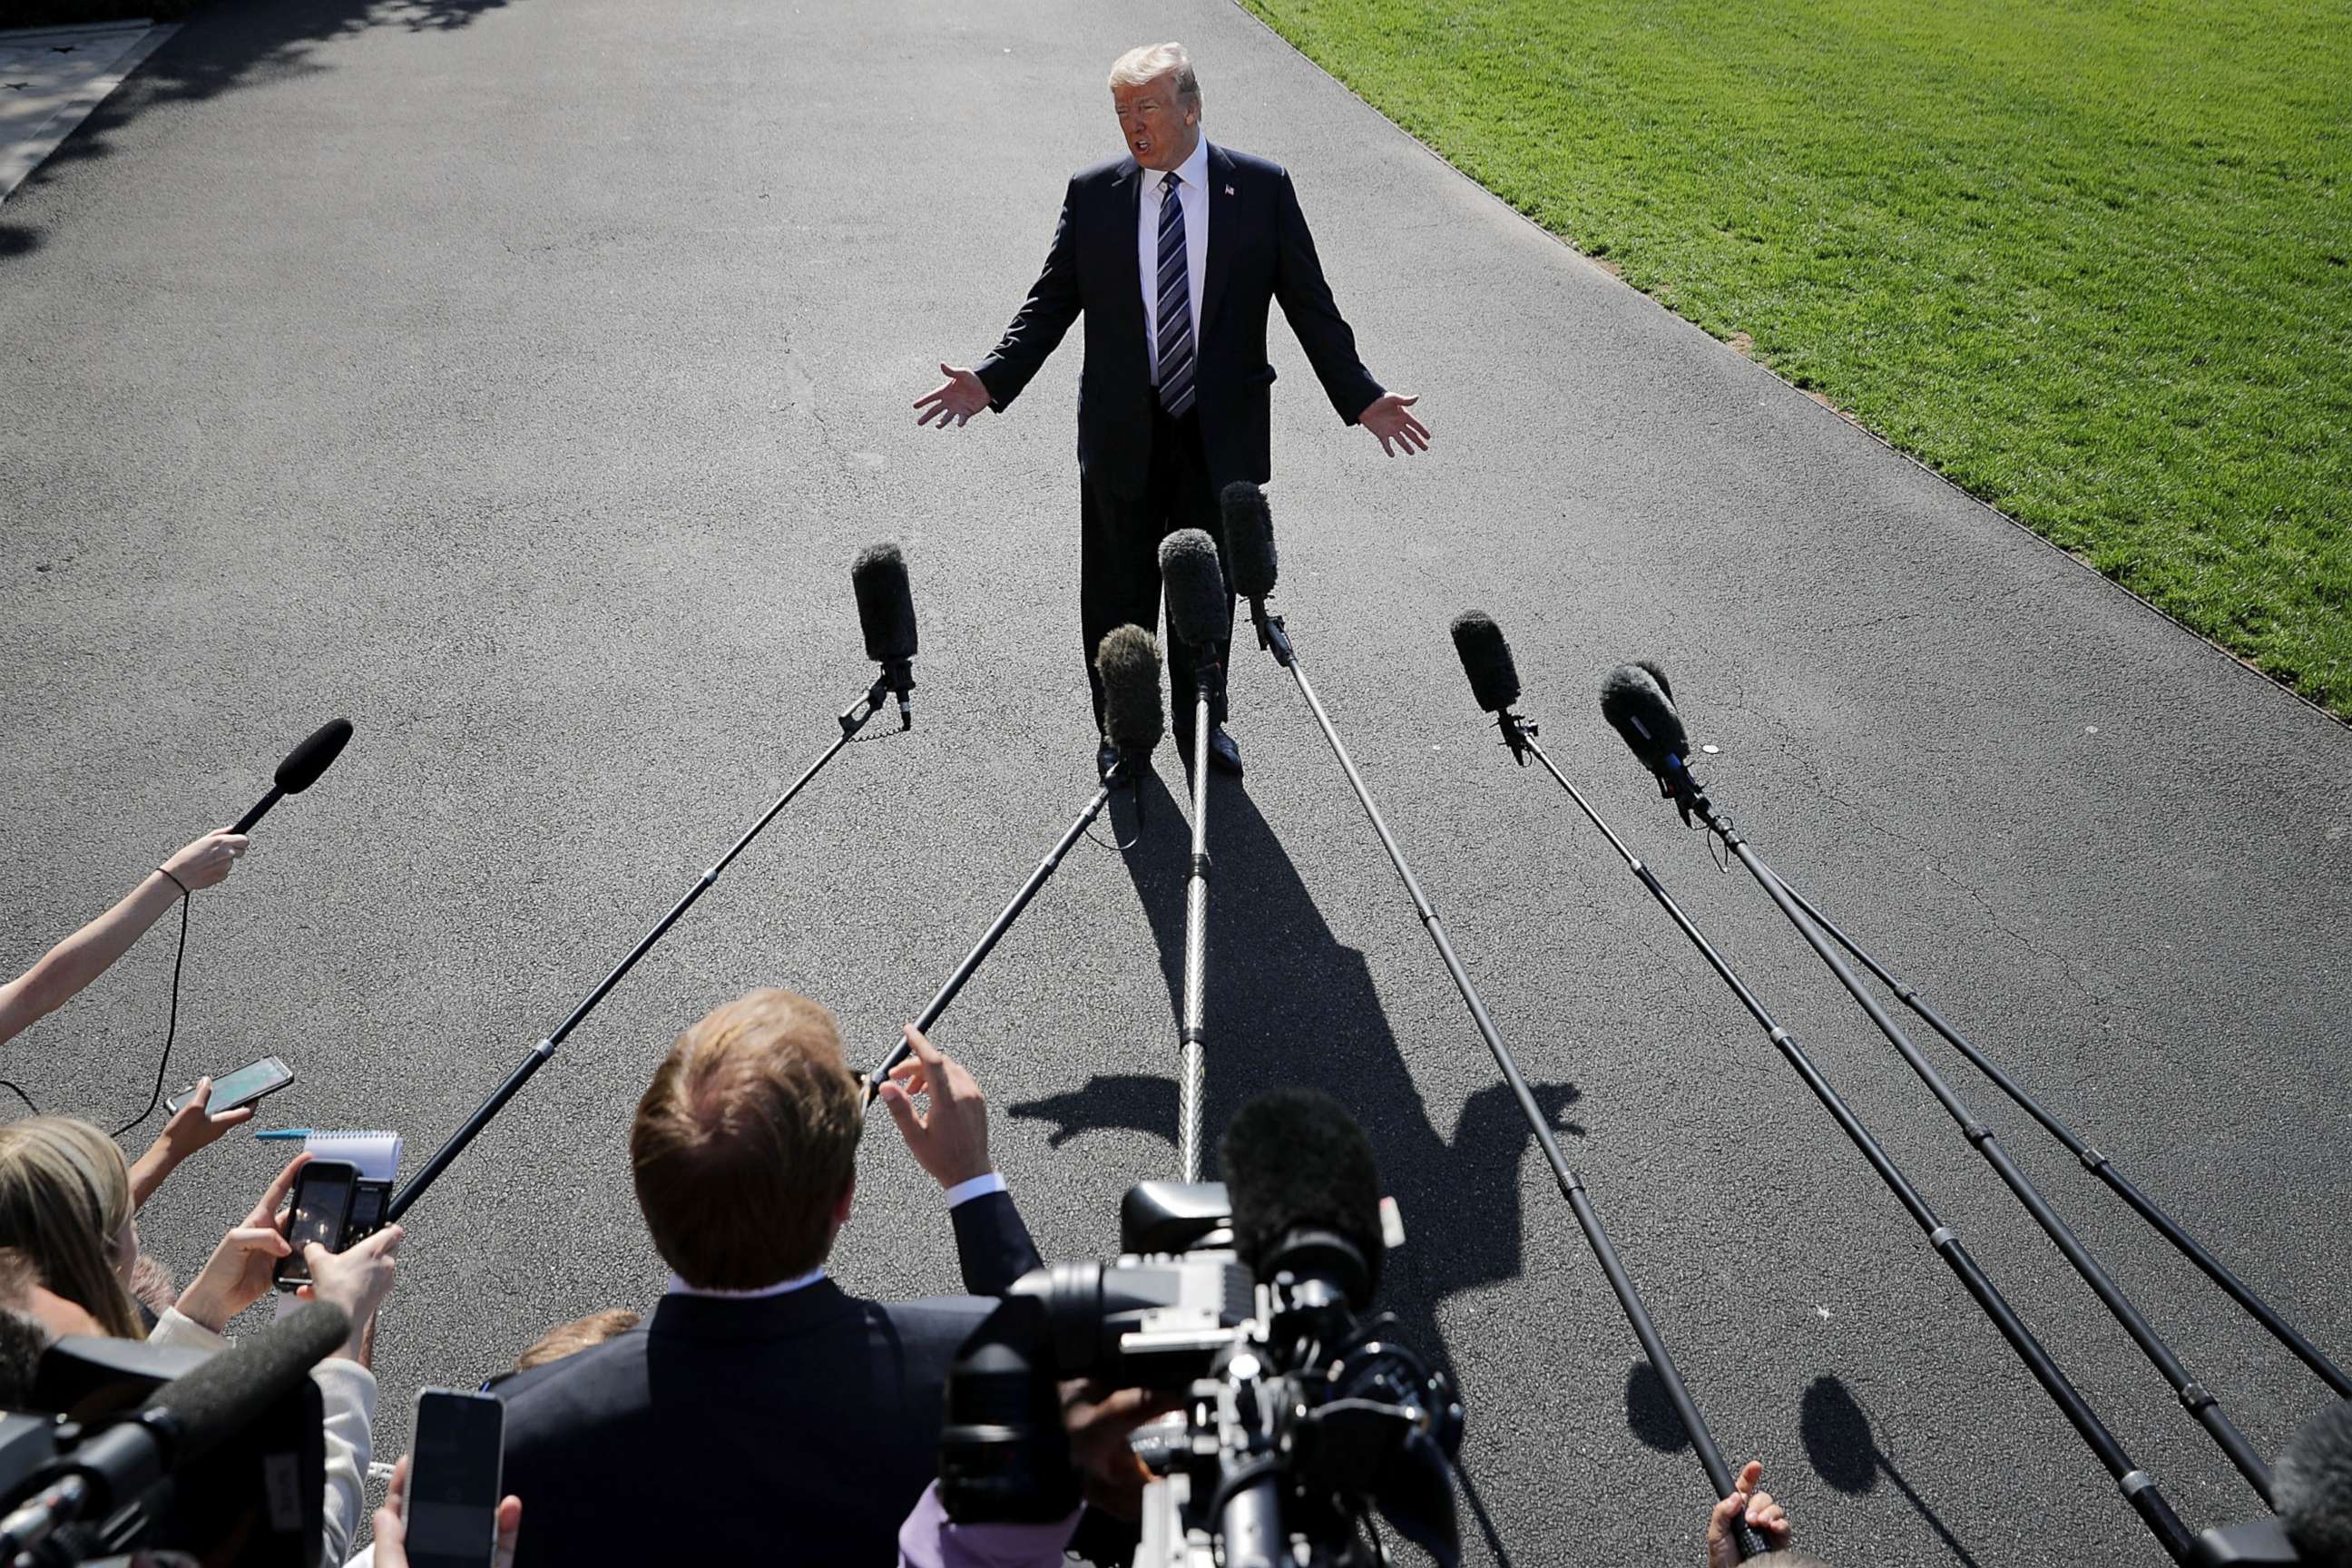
[[1225, 756], [1106, 759]]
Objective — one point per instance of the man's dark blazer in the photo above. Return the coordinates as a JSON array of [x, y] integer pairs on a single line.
[[794, 1429], [1259, 251]]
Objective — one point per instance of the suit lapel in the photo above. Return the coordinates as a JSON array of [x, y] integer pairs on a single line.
[[1128, 192], [1224, 211]]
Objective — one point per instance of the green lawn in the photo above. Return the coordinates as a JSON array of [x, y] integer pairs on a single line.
[[2087, 259]]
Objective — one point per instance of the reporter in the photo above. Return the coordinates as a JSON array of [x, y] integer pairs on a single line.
[[65, 1202], [85, 956], [801, 1421]]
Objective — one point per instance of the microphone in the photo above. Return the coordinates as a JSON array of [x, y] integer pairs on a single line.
[[1200, 607], [180, 1422], [1249, 551], [1133, 720], [1633, 699], [301, 769], [1304, 1189], [2314, 1479], [1493, 679], [886, 612]]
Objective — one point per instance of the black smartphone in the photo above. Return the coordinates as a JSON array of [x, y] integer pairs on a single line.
[[243, 1086], [454, 1479], [322, 1207]]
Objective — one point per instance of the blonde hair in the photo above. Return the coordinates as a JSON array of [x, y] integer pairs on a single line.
[[745, 1141], [571, 1338], [1152, 61], [65, 1196]]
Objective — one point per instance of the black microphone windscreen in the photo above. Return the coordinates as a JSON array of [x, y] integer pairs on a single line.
[[885, 608], [1292, 1159], [1487, 661], [227, 1394], [1200, 608], [306, 761], [1637, 708], [1129, 665], [1249, 539], [2314, 1483]]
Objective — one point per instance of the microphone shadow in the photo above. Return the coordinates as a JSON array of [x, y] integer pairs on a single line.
[[1843, 1453], [1288, 1004]]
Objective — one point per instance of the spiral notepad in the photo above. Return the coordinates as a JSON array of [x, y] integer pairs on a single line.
[[376, 1155]]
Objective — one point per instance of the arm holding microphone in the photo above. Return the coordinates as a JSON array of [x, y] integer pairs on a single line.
[[82, 957]]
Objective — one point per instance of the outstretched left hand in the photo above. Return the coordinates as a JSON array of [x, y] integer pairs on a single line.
[[1389, 416]]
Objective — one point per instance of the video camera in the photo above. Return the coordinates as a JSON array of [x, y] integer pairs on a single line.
[[131, 1444], [1300, 1418]]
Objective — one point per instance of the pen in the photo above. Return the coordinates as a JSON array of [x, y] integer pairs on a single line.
[[282, 1133]]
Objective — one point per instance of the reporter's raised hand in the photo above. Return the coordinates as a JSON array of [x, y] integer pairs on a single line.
[[207, 860], [1768, 1519], [357, 1280], [191, 1127], [954, 400], [950, 1141], [391, 1524], [239, 1272]]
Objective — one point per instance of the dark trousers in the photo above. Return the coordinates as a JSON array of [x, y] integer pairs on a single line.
[[1118, 560]]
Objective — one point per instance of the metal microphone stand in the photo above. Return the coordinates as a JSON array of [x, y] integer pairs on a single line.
[[1119, 777], [1273, 637], [2097, 1163], [2194, 1396], [2138, 1487], [852, 720], [1196, 931]]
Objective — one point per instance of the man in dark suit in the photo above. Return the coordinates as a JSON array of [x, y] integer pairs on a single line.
[[1173, 254], [762, 1414]]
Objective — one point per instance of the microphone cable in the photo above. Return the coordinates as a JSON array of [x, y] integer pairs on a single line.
[[170, 1023]]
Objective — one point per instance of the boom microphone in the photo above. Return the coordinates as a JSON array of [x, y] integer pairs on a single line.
[[1249, 539], [1298, 1172], [1634, 699], [2315, 1486], [1133, 720], [1487, 661], [301, 769], [183, 1421], [1200, 607], [886, 612]]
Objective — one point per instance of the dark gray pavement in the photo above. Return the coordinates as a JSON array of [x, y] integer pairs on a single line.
[[520, 379]]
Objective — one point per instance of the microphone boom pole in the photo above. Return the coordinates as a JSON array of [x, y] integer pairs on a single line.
[[1114, 780], [1249, 532], [889, 619], [1128, 662], [2093, 1161], [1631, 695], [1199, 611]]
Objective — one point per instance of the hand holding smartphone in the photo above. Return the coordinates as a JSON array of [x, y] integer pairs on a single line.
[[323, 1191], [453, 1477], [243, 1086]]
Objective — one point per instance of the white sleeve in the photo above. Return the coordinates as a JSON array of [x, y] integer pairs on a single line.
[[348, 1391]]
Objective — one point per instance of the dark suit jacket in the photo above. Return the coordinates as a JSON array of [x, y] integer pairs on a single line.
[[794, 1429], [1259, 251]]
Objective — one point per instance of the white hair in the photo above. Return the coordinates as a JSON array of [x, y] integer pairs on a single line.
[[1152, 61]]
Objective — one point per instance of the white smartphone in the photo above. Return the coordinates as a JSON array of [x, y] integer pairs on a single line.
[[243, 1086], [454, 1474]]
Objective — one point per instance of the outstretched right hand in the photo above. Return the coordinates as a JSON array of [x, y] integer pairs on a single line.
[[954, 400]]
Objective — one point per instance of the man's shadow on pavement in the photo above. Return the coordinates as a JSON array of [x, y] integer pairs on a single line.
[[1288, 1004]]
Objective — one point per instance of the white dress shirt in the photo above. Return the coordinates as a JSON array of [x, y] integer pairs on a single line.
[[1192, 190]]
